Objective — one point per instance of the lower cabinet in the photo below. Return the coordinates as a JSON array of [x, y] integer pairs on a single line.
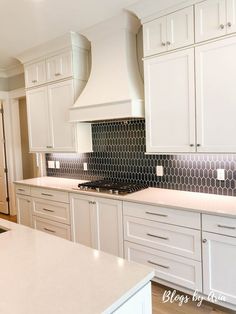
[[24, 214], [219, 271], [97, 222]]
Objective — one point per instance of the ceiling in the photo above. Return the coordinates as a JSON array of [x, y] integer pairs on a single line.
[[28, 23]]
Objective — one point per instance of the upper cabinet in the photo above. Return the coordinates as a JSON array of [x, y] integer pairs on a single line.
[[169, 32], [60, 66], [214, 18], [35, 74]]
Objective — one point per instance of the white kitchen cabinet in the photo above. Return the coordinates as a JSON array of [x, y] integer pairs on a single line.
[[169, 32], [39, 125], [24, 211], [48, 120], [59, 66], [35, 74], [219, 272], [214, 18], [215, 96], [170, 102], [97, 222]]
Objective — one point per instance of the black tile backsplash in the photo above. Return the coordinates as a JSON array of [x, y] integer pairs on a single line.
[[119, 154]]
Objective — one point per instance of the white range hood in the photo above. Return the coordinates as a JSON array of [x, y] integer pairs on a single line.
[[115, 88]]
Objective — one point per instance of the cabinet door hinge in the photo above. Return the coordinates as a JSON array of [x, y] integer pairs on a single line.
[[8, 199]]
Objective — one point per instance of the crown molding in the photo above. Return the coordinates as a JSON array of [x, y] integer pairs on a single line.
[[11, 71]]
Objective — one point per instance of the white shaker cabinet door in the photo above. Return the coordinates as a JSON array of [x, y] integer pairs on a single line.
[[154, 37], [216, 96], [35, 74], [180, 28], [170, 103], [231, 16], [61, 98], [219, 271], [60, 66], [210, 19], [38, 120], [24, 211]]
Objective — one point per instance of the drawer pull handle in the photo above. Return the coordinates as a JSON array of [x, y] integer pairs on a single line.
[[156, 236], [22, 190], [49, 230], [226, 227], [57, 74], [155, 214], [34, 81], [156, 264], [48, 210], [46, 194], [92, 203]]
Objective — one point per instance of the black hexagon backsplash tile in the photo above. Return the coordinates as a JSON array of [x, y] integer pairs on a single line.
[[119, 154]]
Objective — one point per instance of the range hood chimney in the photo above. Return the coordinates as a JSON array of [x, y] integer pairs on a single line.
[[115, 88]]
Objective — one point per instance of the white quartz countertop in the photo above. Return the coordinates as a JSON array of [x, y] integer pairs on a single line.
[[44, 274], [201, 202]]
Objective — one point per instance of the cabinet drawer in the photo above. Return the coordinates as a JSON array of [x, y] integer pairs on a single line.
[[52, 227], [163, 214], [52, 195], [179, 270], [218, 224], [51, 210], [168, 238], [22, 189]]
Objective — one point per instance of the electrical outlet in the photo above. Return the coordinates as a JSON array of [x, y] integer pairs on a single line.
[[51, 164], [57, 164], [221, 174], [159, 171], [85, 165]]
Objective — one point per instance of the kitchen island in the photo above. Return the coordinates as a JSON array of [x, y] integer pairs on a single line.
[[46, 274]]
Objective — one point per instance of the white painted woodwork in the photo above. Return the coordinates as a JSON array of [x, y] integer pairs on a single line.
[[219, 224], [22, 189], [180, 28], [169, 267], [60, 98], [39, 124], [50, 194], [35, 74], [97, 222], [59, 66], [3, 179], [215, 96], [231, 16], [55, 211], [52, 227], [219, 272], [210, 19], [170, 103], [24, 213], [163, 214], [82, 220], [140, 303], [181, 241], [155, 36], [108, 226]]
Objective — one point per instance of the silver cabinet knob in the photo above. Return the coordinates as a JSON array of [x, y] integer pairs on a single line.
[[34, 81], [168, 43], [191, 145], [49, 146], [163, 44], [198, 145], [57, 74], [222, 26], [229, 24], [204, 241]]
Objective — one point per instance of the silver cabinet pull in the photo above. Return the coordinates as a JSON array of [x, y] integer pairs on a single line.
[[229, 24], [48, 210], [168, 43], [226, 227], [57, 74], [204, 241], [198, 145], [22, 190], [222, 26], [49, 146], [156, 236], [34, 81], [160, 265], [92, 203], [155, 214], [46, 194], [191, 145], [49, 230], [163, 44]]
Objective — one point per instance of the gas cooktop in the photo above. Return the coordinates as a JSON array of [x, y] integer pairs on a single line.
[[112, 187]]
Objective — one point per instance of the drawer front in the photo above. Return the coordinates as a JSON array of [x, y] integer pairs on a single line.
[[218, 224], [172, 239], [52, 195], [175, 269], [162, 214], [22, 189], [52, 227], [51, 210]]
